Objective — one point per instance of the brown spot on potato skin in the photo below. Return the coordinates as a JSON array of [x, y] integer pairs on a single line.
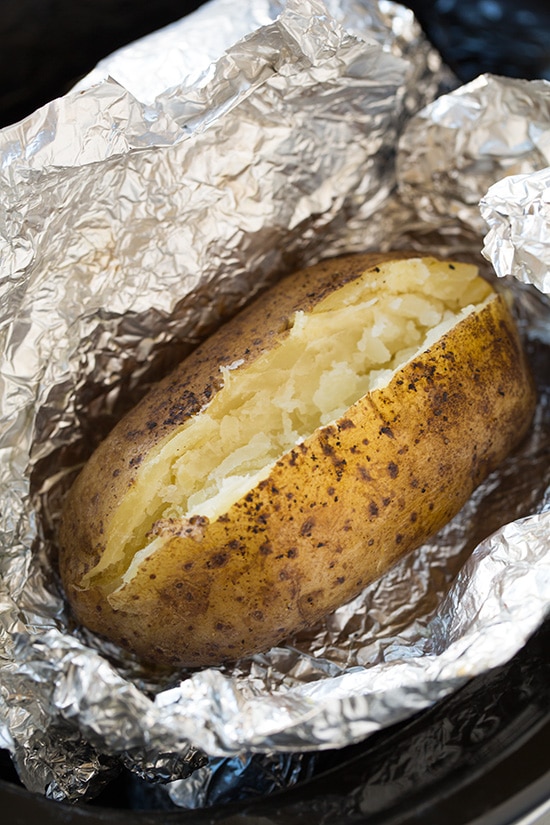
[[345, 424], [236, 545], [224, 627], [307, 605], [327, 448], [363, 473], [217, 560]]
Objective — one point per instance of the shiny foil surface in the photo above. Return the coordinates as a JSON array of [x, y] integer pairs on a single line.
[[139, 211]]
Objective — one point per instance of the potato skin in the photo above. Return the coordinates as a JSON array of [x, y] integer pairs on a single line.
[[335, 512]]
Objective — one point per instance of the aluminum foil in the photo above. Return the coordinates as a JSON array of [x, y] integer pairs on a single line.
[[135, 214], [517, 211]]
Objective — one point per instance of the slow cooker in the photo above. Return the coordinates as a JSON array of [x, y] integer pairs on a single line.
[[482, 755]]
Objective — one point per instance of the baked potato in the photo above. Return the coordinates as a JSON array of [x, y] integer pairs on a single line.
[[327, 430]]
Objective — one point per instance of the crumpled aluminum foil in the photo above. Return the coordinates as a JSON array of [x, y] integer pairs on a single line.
[[185, 53], [517, 211], [132, 220]]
